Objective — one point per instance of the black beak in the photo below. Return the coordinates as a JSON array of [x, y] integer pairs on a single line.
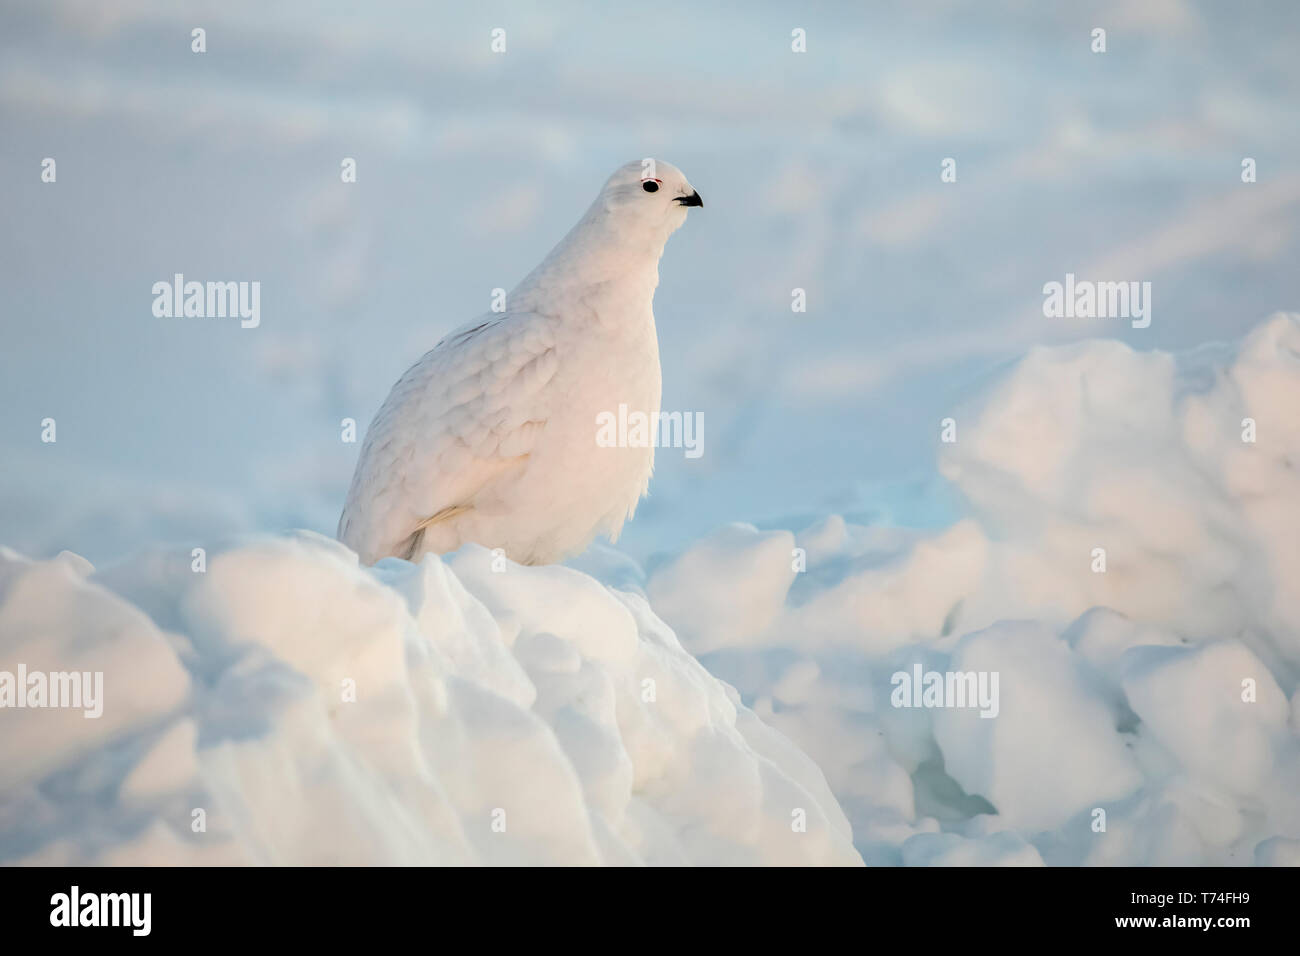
[[692, 200]]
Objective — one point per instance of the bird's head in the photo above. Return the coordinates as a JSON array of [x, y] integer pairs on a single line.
[[622, 234], [649, 193]]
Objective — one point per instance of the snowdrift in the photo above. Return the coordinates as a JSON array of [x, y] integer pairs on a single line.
[[1127, 567], [1153, 680], [278, 704]]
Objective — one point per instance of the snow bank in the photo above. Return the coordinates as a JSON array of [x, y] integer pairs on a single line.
[[1120, 593], [282, 705], [1144, 714]]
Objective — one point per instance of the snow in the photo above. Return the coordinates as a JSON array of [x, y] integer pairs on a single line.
[[536, 693], [1155, 690], [823, 433], [1142, 712]]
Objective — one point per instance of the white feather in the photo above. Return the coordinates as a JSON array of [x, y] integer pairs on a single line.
[[491, 436]]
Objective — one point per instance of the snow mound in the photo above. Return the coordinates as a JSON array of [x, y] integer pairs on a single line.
[[1127, 568], [279, 704]]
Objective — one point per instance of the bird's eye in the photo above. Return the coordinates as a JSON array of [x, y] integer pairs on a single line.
[[650, 186]]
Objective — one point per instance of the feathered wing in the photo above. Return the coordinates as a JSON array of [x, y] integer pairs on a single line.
[[465, 415]]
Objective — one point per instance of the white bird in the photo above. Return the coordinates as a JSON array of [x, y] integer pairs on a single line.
[[492, 436]]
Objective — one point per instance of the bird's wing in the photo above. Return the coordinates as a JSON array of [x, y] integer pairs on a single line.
[[465, 414]]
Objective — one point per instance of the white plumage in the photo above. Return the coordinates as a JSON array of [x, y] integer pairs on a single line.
[[491, 437]]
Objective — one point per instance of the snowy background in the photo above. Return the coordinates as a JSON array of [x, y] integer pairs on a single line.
[[820, 171]]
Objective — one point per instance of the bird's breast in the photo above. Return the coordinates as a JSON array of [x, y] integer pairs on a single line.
[[606, 399]]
